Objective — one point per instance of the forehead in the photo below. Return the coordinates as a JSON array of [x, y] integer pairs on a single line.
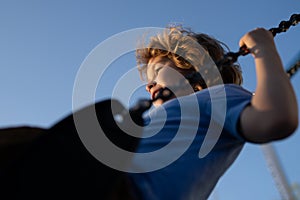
[[158, 59], [157, 62]]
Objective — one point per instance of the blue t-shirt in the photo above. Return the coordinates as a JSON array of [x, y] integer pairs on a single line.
[[188, 144]]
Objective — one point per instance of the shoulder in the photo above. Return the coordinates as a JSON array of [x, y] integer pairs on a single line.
[[230, 93], [224, 92]]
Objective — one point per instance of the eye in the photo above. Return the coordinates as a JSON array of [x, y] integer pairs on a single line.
[[156, 70], [153, 70]]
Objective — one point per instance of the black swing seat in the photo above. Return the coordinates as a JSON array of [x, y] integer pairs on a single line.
[[53, 163]]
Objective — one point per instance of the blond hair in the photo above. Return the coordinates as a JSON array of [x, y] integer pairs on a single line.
[[189, 50]]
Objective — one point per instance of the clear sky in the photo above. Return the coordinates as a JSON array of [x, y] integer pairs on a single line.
[[43, 44]]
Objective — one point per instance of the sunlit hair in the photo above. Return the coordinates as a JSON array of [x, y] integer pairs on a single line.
[[182, 47]]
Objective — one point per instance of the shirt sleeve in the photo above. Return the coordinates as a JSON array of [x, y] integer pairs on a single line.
[[237, 99]]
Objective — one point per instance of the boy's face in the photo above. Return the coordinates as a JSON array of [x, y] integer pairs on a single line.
[[162, 72]]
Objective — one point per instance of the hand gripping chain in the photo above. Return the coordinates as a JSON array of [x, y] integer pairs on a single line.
[[231, 57]]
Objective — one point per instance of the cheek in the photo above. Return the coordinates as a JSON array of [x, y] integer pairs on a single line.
[[168, 77], [150, 75], [175, 81]]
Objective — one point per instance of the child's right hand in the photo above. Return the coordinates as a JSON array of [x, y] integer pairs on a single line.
[[259, 41]]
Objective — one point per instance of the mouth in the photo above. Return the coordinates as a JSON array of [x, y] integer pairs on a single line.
[[163, 94], [155, 91]]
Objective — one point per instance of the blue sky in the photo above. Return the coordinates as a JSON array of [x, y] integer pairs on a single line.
[[43, 44]]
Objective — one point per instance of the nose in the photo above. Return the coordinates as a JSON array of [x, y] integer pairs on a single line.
[[150, 85]]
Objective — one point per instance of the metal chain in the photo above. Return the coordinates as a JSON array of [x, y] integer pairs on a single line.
[[285, 25], [291, 71]]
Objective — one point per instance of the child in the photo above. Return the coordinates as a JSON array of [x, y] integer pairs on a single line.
[[212, 110]]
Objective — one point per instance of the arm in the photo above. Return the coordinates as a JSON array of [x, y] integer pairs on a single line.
[[273, 112]]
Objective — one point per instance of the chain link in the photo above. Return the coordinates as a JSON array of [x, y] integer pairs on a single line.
[[285, 25], [291, 71]]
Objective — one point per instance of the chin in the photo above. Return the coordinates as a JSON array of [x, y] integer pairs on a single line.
[[158, 102]]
